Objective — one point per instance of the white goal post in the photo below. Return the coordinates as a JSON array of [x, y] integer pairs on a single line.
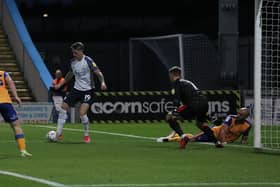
[[267, 75]]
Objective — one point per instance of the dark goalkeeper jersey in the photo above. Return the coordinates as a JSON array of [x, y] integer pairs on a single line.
[[186, 92]]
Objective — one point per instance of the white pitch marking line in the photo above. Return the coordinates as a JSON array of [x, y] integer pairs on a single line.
[[182, 184], [55, 184], [133, 136], [101, 132], [30, 178]]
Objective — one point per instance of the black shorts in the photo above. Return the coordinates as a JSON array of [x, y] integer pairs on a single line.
[[196, 111], [76, 96]]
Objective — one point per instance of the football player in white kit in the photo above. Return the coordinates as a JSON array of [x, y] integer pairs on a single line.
[[82, 68]]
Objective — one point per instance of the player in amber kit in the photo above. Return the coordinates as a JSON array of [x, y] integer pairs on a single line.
[[8, 112], [234, 127]]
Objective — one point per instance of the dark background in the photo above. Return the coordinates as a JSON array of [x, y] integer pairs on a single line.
[[105, 27]]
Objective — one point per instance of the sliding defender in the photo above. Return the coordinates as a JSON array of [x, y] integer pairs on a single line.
[[229, 131]]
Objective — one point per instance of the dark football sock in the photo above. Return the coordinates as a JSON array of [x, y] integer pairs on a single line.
[[176, 127]]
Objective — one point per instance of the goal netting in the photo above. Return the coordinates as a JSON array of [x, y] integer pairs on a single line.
[[267, 74], [151, 57]]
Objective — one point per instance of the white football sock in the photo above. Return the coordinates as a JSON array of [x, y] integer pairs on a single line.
[[61, 121], [85, 122]]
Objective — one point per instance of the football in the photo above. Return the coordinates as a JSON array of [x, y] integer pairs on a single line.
[[51, 136]]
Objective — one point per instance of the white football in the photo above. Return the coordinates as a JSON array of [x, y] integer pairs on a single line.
[[51, 136]]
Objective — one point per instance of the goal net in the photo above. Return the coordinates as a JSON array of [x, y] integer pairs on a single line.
[[267, 74], [151, 57]]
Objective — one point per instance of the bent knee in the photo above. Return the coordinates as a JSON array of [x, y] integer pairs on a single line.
[[64, 106]]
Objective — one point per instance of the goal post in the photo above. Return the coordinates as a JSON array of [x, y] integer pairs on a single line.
[[267, 75], [257, 75]]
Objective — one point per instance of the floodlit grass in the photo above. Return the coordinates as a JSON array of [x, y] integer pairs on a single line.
[[113, 159]]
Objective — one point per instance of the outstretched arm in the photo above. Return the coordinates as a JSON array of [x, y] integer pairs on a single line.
[[244, 139], [100, 77], [13, 89]]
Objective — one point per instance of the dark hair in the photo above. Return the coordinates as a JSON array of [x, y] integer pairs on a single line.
[[78, 46], [175, 69]]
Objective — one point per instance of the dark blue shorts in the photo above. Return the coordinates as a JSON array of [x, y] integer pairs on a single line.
[[203, 138], [8, 112]]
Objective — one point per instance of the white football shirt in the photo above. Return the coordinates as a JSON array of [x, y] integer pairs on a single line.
[[82, 72]]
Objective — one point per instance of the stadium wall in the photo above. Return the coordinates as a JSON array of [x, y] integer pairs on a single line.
[[28, 57]]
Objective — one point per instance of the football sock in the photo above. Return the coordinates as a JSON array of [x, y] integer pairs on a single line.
[[61, 121], [85, 122], [20, 141], [176, 127]]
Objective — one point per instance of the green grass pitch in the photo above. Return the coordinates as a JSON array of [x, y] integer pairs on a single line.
[[116, 160]]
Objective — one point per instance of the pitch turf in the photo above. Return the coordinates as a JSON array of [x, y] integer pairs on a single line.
[[117, 160]]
